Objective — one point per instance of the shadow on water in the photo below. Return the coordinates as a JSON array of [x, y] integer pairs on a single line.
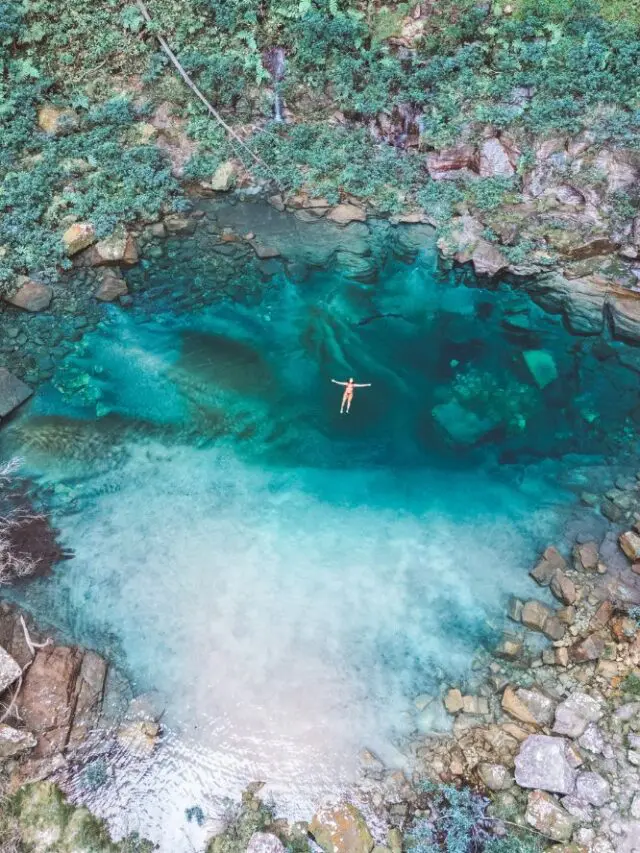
[[288, 577]]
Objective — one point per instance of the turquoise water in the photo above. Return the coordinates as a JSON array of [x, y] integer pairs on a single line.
[[289, 579]]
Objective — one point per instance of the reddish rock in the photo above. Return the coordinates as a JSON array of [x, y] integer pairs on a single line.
[[47, 699], [591, 648], [563, 588], [602, 616], [585, 556], [552, 561], [630, 544], [111, 287], [30, 295], [448, 163]]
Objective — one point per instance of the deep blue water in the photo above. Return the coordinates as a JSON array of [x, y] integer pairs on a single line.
[[288, 578]]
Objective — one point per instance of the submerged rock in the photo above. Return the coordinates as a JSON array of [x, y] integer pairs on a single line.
[[13, 392], [462, 425], [341, 829], [542, 367]]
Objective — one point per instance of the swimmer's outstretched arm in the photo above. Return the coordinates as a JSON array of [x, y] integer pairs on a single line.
[[366, 385], [335, 382]]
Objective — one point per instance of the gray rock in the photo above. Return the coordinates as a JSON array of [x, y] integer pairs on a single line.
[[541, 707], [634, 809], [265, 842], [9, 670], [578, 808], [592, 739], [545, 814], [13, 392], [542, 763], [494, 160], [575, 713], [495, 776], [14, 741], [593, 789]]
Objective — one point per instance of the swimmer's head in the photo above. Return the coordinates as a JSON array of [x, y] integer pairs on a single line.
[[351, 379]]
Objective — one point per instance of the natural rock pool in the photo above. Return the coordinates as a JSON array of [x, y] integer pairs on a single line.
[[289, 579]]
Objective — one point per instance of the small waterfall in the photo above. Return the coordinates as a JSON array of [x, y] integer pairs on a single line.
[[273, 60]]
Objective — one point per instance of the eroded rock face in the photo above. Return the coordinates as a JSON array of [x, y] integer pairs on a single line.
[[343, 214], [48, 696], [341, 829], [453, 163], [542, 763], [495, 160]]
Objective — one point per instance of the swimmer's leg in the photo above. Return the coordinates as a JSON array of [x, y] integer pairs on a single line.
[[349, 404], [344, 400]]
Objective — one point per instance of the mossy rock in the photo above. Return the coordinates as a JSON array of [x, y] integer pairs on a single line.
[[341, 829], [47, 823]]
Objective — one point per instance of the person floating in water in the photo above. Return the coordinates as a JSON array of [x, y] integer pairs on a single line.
[[347, 397]]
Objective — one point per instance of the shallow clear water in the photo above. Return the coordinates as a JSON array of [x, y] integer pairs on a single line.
[[289, 579]]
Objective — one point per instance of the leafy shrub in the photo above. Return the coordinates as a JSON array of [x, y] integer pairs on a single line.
[[459, 824], [631, 685]]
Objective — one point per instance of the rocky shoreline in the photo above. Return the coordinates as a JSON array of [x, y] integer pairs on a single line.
[[553, 736]]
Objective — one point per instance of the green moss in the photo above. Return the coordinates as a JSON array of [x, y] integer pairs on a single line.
[[44, 822]]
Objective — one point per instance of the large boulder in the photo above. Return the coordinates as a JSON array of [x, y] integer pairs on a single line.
[[48, 695], [540, 706], [13, 392], [111, 288], [78, 236], [546, 815], [495, 160], [30, 295], [551, 562], [624, 310], [513, 705], [563, 588], [487, 259], [541, 366], [341, 829], [575, 713], [543, 763], [118, 248], [224, 177]]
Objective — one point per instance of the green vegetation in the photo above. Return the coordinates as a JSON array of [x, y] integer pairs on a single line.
[[631, 685], [459, 823], [38, 816], [353, 68]]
